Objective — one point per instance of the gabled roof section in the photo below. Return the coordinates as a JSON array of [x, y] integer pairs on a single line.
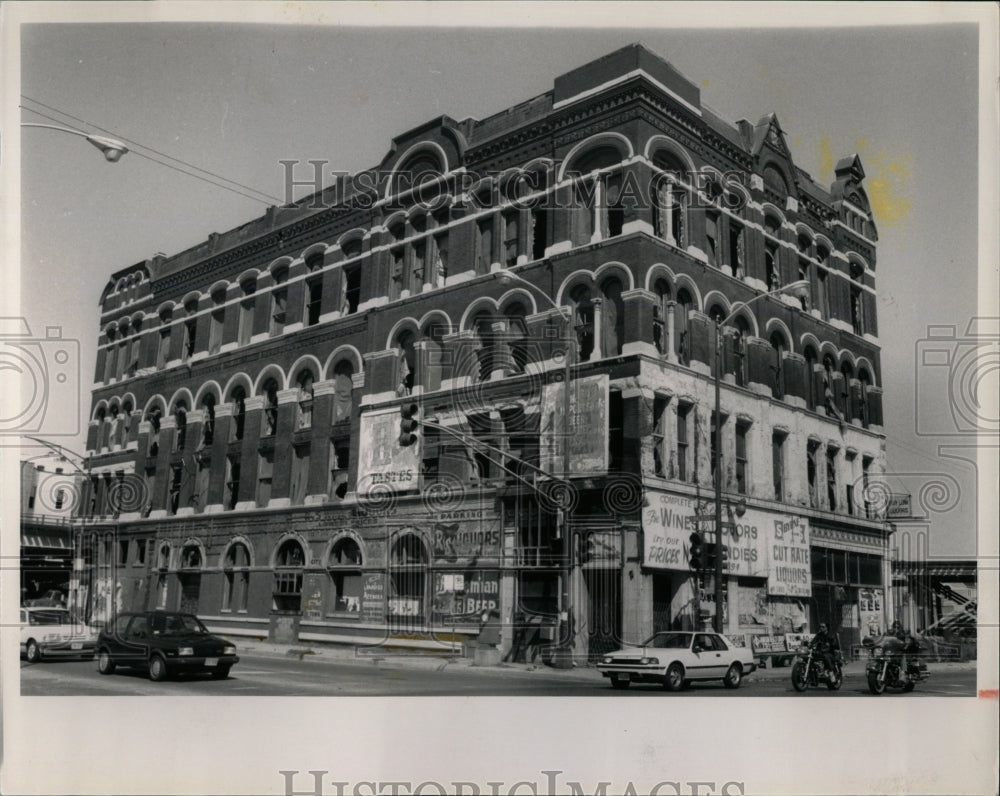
[[850, 167], [768, 131]]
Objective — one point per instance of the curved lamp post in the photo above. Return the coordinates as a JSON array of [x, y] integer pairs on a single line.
[[799, 289], [112, 148]]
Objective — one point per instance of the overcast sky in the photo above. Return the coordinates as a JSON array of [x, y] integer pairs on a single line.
[[237, 99]]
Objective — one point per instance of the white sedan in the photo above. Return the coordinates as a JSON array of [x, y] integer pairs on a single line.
[[52, 632], [674, 659]]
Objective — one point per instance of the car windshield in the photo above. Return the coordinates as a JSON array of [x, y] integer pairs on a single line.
[[669, 641], [177, 625], [54, 617]]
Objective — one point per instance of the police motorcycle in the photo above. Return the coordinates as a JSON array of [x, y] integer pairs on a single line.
[[810, 670], [893, 663]]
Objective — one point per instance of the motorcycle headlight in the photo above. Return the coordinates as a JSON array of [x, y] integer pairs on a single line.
[[877, 652], [649, 661], [185, 651]]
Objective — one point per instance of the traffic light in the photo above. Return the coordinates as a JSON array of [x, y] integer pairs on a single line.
[[697, 559], [408, 424], [710, 553]]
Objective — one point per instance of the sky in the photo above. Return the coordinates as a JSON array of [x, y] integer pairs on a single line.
[[239, 99]]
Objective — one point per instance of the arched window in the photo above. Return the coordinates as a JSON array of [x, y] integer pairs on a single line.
[[180, 418], [344, 568], [775, 181], [304, 408], [191, 557], [279, 302], [289, 562], [779, 346], [660, 313], [217, 322], [829, 396], [249, 288], [482, 325], [848, 408], [684, 306], [236, 567], [583, 321], [239, 398], [517, 334], [406, 368], [208, 422], [743, 331], [153, 417], [598, 212], [407, 566], [857, 301], [865, 380], [343, 391], [812, 395], [270, 392], [163, 557], [670, 199], [612, 318]]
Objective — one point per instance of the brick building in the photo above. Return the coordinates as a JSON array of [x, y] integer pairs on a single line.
[[244, 441]]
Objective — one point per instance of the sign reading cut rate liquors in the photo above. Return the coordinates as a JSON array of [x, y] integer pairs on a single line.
[[789, 568], [384, 464]]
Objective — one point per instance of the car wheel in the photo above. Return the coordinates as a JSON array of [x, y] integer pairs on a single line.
[[157, 668], [32, 651], [105, 665], [734, 676], [673, 680], [222, 672]]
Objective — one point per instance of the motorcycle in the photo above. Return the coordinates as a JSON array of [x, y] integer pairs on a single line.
[[810, 670], [893, 664]]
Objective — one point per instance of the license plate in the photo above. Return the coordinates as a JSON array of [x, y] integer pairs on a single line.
[[211, 661], [622, 678], [76, 645]]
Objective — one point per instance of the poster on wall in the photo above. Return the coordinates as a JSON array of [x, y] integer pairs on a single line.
[[587, 431], [461, 597], [669, 521], [384, 466], [465, 537], [870, 612], [789, 568], [373, 598]]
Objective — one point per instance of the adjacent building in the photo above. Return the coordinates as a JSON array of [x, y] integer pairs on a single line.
[[251, 451]]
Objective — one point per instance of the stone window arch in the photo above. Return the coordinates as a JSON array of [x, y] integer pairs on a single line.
[[343, 566], [289, 564]]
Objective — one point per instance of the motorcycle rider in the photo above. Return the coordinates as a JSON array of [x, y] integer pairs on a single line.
[[907, 643], [826, 645]]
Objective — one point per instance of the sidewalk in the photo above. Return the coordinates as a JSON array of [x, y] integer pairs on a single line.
[[380, 656]]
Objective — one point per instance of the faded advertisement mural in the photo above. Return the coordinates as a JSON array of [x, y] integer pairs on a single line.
[[384, 465], [587, 431]]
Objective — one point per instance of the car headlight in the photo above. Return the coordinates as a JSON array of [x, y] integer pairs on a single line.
[[649, 661], [51, 637], [229, 649], [185, 651], [608, 659]]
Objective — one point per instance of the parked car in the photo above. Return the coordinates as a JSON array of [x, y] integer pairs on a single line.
[[53, 598], [164, 644], [54, 633], [674, 659]]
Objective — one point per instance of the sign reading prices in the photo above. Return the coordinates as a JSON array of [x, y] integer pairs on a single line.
[[587, 431], [383, 462]]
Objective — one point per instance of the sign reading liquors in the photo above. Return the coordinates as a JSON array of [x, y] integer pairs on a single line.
[[385, 465], [789, 570], [586, 434], [899, 506]]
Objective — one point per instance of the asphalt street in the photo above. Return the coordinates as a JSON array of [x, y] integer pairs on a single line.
[[287, 675]]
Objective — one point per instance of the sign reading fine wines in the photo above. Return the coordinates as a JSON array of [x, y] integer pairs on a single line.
[[384, 465], [587, 430]]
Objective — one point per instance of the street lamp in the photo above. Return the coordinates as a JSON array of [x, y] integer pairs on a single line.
[[112, 148], [567, 568], [798, 289]]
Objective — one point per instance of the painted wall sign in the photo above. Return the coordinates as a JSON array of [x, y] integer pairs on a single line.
[[587, 433], [461, 597], [383, 464], [373, 598]]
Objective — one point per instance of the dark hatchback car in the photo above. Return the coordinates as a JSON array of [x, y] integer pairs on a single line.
[[163, 643]]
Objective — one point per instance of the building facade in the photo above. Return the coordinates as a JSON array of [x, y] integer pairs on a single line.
[[250, 451]]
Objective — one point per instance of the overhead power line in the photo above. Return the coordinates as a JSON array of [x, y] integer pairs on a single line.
[[215, 178]]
